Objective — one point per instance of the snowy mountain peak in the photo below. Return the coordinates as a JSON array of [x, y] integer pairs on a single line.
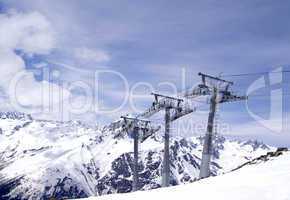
[[73, 160], [256, 144], [15, 115]]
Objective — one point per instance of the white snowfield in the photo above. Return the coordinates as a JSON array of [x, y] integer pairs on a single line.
[[264, 181]]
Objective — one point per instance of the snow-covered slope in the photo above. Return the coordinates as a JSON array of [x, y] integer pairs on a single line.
[[43, 159], [264, 180]]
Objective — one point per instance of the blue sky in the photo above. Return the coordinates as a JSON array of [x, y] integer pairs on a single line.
[[151, 41]]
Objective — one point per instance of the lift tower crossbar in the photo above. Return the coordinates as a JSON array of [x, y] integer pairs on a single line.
[[204, 76], [156, 107]]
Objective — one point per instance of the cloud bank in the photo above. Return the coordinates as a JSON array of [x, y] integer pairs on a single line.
[[31, 34]]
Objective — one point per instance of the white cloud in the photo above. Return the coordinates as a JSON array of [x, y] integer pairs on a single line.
[[91, 55], [31, 33]]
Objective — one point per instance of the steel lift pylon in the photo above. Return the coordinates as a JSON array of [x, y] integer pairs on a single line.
[[219, 91], [140, 130], [168, 103], [175, 108]]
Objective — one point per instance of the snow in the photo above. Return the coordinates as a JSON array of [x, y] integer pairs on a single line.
[[45, 153], [265, 181]]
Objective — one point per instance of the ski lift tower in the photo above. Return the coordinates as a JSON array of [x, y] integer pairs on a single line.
[[161, 102], [219, 91], [167, 103], [141, 130]]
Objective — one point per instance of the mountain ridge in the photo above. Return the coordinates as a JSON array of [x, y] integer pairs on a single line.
[[266, 179], [44, 159]]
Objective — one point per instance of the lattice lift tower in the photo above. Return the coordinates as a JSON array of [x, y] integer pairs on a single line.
[[220, 93]]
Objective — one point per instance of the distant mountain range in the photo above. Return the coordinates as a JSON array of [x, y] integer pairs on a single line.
[[41, 159]]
